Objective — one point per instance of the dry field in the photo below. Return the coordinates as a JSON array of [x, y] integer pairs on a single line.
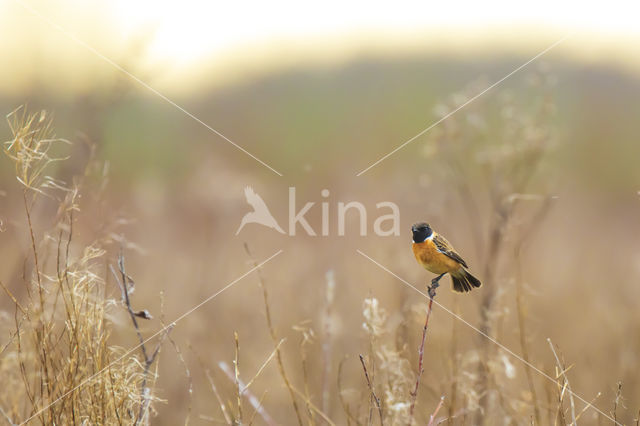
[[128, 298]]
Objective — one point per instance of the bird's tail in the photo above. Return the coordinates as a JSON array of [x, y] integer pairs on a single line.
[[463, 281]]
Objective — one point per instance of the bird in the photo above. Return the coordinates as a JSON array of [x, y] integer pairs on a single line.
[[434, 253], [260, 213]]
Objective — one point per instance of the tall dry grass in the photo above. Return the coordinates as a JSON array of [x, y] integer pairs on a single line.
[[58, 364]]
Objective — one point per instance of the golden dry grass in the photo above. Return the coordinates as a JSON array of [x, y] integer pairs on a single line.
[[58, 365]]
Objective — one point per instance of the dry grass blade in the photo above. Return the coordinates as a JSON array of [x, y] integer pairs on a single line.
[[259, 408], [274, 338], [6, 416], [124, 281], [589, 405], [236, 377], [617, 401], [316, 409], [565, 385], [187, 371], [341, 390], [214, 389], [373, 393], [327, 342], [223, 407], [253, 400], [538, 217], [13, 298], [432, 418], [262, 367], [30, 147]]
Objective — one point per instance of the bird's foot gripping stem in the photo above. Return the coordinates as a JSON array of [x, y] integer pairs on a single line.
[[435, 283]]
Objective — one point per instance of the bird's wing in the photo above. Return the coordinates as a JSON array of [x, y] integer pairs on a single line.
[[254, 199], [445, 247]]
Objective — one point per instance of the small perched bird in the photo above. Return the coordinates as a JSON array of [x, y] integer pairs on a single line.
[[436, 255]]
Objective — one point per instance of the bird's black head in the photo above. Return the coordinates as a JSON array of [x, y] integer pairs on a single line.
[[421, 231]]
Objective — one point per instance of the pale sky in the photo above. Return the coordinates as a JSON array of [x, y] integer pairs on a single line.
[[192, 40], [189, 29]]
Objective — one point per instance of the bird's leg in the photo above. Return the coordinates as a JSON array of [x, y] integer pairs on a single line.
[[435, 283]]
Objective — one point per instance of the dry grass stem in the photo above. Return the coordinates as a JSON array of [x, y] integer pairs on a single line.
[[373, 393], [61, 338], [126, 284], [432, 418], [414, 393], [274, 337], [565, 387], [327, 341], [253, 400], [617, 401], [314, 408], [263, 366]]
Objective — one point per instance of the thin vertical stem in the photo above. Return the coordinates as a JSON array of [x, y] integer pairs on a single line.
[[370, 385], [414, 394]]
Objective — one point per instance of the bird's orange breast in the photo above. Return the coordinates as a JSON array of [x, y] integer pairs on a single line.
[[432, 260]]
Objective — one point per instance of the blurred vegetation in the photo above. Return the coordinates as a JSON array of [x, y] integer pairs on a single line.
[[351, 115], [169, 192]]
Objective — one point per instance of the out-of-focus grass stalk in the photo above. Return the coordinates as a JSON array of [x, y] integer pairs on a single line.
[[275, 340]]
